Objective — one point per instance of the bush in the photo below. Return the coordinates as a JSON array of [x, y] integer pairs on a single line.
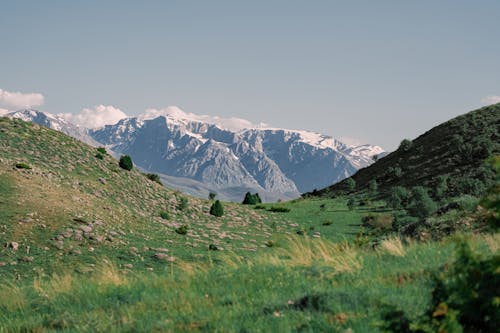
[[183, 204], [217, 209], [260, 207], [398, 198], [99, 156], [126, 162], [211, 196], [465, 298], [421, 204], [351, 184], [381, 221], [165, 215], [279, 209], [251, 199], [351, 203], [23, 166], [405, 145], [154, 177], [182, 230], [373, 186], [102, 150]]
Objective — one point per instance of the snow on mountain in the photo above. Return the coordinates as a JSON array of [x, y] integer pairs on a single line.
[[279, 161]]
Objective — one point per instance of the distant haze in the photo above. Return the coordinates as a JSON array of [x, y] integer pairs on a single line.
[[366, 71]]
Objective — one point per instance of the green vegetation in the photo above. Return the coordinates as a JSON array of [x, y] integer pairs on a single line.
[[279, 209], [182, 230], [216, 209], [211, 196], [251, 199], [154, 177], [439, 159], [126, 162], [464, 298], [183, 204], [23, 166], [304, 285], [165, 215]]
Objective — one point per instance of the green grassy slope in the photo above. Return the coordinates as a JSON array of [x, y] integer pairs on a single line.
[[71, 209], [455, 149], [309, 286]]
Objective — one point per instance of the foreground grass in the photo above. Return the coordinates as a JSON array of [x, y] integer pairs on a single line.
[[305, 285]]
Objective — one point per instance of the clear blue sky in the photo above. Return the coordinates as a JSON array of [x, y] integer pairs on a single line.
[[374, 70]]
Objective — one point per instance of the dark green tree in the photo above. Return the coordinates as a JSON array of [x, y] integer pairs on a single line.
[[373, 186], [126, 162], [211, 196], [351, 184], [405, 145], [399, 197], [351, 203], [217, 209], [252, 199], [421, 204]]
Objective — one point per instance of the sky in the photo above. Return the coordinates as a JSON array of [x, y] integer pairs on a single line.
[[368, 71]]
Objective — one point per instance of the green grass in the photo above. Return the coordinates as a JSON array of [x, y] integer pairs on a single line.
[[332, 290], [329, 219]]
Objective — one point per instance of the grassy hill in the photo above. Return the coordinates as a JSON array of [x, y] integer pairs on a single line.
[[454, 151], [65, 207]]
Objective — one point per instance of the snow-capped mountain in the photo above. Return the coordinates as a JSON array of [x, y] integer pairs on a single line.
[[280, 162], [54, 122], [198, 154]]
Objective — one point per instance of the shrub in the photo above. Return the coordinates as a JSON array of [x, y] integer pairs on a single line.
[[351, 203], [351, 184], [421, 204], [99, 156], [395, 172], [211, 196], [102, 150], [154, 177], [251, 199], [260, 207], [381, 221], [441, 186], [165, 215], [183, 204], [182, 230], [126, 162], [373, 186], [398, 198], [279, 209], [465, 298], [217, 209], [23, 166], [213, 247], [405, 145]]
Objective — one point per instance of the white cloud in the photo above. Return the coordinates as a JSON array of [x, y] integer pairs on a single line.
[[98, 116], [234, 124], [490, 100], [19, 100]]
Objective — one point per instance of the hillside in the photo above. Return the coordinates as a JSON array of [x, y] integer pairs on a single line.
[[450, 155], [61, 205]]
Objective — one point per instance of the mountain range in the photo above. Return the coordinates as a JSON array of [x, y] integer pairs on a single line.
[[198, 156]]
